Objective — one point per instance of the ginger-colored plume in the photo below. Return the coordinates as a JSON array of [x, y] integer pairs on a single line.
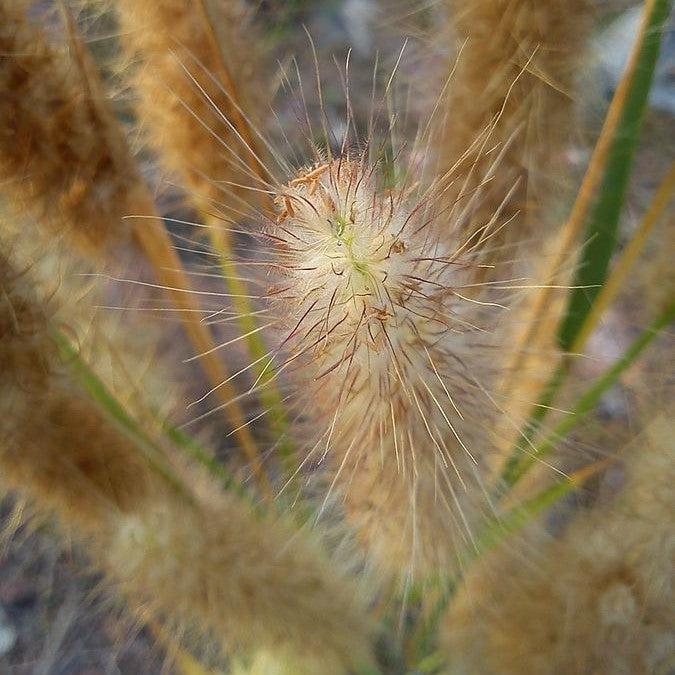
[[599, 600], [55, 444], [193, 77], [60, 160], [64, 154]]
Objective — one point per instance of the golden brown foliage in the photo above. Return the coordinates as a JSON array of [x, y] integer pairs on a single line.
[[190, 83], [175, 548], [54, 443], [66, 455], [72, 162]]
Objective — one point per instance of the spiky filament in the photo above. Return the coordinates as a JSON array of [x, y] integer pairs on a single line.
[[390, 353], [507, 112]]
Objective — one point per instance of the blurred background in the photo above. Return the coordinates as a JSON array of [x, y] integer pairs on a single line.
[[54, 620]]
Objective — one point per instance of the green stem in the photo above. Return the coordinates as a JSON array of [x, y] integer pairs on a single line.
[[601, 232], [269, 394], [589, 398], [153, 452]]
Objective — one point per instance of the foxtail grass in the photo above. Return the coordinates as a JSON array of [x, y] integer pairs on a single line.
[[66, 159], [400, 276], [598, 599], [388, 347]]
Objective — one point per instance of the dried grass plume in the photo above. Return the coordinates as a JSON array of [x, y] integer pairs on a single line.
[[600, 599], [61, 162]]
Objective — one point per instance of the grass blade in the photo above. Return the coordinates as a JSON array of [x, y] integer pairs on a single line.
[[616, 145], [602, 227], [628, 257], [588, 399], [92, 384], [624, 97], [98, 391], [608, 292], [264, 372]]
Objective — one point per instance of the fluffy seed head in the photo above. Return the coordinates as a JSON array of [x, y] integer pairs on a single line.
[[249, 583], [508, 112], [55, 445], [189, 68], [392, 360], [367, 263]]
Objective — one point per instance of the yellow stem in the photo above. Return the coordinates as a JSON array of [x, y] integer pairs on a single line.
[[220, 239]]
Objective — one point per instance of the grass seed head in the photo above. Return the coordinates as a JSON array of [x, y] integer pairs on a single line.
[[60, 161], [55, 445], [599, 599], [389, 356], [248, 582], [190, 68], [508, 111]]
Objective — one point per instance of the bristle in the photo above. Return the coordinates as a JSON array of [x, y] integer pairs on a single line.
[[508, 113], [392, 356], [58, 159], [600, 599], [192, 102], [251, 584]]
